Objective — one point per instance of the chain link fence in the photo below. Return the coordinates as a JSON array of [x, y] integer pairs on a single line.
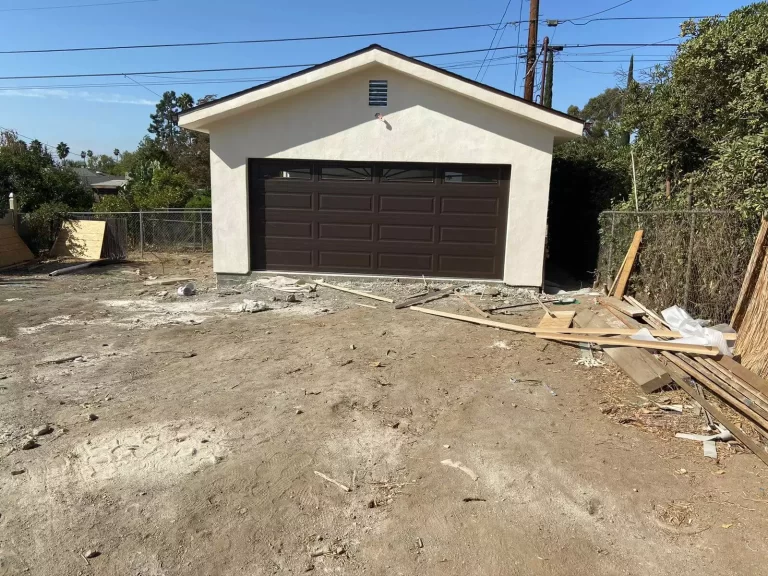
[[161, 230], [695, 259]]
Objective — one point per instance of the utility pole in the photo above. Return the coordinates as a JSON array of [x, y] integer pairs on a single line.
[[530, 61], [544, 63]]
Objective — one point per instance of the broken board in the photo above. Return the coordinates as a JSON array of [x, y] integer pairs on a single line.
[[561, 321], [12, 248], [82, 239], [623, 307], [629, 263], [640, 365]]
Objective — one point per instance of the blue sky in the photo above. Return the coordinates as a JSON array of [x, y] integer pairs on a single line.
[[105, 117]]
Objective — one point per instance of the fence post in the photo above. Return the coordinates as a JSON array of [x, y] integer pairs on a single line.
[[202, 239], [610, 246], [141, 234], [689, 262]]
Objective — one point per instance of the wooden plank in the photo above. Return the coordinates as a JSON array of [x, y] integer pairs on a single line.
[[14, 250], [629, 342], [558, 335], [469, 303], [80, 239], [639, 365], [415, 301], [756, 448], [355, 292], [735, 380], [561, 321], [745, 374], [750, 277], [734, 385], [724, 394], [623, 307], [621, 285], [618, 274], [163, 281]]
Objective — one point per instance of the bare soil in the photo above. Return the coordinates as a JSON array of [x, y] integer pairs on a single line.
[[186, 438]]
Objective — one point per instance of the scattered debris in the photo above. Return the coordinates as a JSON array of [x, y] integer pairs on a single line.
[[415, 301], [250, 306], [352, 346], [365, 305], [419, 543], [501, 344], [42, 430], [332, 481], [460, 466], [186, 290], [589, 362], [29, 445], [473, 499], [61, 360], [92, 554], [165, 281], [376, 365], [708, 442], [355, 292], [92, 417], [549, 389], [17, 471], [299, 411]]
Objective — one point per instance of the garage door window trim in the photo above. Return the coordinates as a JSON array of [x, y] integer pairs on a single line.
[[363, 173], [473, 175], [285, 171]]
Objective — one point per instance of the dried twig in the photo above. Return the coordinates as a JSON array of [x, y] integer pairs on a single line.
[[332, 481]]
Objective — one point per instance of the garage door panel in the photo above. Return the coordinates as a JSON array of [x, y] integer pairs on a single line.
[[466, 235], [288, 200], [394, 262], [346, 202], [450, 265], [406, 233], [378, 226], [345, 260], [300, 230], [296, 259], [468, 205], [341, 231], [398, 204]]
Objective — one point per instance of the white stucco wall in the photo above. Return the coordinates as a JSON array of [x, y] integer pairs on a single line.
[[428, 124]]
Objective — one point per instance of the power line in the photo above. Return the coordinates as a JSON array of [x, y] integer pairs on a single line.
[[252, 41], [494, 26], [494, 37], [142, 85], [64, 6], [601, 12], [517, 63], [282, 66]]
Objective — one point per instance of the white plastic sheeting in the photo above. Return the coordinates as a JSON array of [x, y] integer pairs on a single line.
[[693, 332]]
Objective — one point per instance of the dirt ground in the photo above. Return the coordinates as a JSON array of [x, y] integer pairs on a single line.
[[187, 435]]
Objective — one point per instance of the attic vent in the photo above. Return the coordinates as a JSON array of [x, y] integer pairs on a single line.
[[377, 92]]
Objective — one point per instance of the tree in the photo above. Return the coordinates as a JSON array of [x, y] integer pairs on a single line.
[[701, 119], [36, 181], [82, 155], [116, 152], [62, 150], [158, 186], [601, 113], [548, 81]]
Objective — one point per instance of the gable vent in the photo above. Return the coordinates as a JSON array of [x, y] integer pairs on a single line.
[[377, 92]]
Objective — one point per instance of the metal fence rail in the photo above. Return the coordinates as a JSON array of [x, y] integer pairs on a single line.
[[695, 258], [162, 230]]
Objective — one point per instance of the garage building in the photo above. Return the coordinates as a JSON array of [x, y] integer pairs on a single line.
[[379, 164]]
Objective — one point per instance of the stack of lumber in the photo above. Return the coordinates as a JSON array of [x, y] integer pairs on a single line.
[[750, 317], [720, 384]]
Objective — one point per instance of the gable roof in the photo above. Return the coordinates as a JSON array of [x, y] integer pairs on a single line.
[[199, 117]]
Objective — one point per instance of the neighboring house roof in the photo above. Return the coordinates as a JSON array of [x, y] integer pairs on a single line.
[[99, 180], [200, 117]]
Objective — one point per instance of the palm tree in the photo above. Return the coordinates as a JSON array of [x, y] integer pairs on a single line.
[[116, 152], [62, 150], [82, 155]]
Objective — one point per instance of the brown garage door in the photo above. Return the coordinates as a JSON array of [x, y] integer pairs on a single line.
[[388, 219]]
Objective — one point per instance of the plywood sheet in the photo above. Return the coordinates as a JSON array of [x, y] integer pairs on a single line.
[[80, 239], [561, 321], [12, 248]]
